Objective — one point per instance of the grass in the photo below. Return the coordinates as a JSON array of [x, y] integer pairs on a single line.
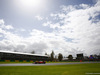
[[78, 69]]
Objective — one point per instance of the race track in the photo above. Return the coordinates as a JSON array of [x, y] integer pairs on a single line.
[[47, 64]]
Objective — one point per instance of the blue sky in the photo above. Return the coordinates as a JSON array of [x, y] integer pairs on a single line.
[[65, 26]]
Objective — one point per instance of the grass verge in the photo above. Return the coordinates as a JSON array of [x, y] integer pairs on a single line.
[[78, 69]]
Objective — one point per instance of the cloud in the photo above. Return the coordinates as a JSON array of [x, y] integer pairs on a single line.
[[39, 18], [51, 25], [5, 26], [15, 42], [1, 21], [47, 23], [79, 23], [75, 29]]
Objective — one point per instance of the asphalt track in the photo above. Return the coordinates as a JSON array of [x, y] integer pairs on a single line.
[[47, 64]]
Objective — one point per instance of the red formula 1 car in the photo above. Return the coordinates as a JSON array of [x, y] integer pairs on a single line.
[[39, 62]]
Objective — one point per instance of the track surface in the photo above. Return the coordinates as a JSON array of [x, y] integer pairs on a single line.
[[31, 64]]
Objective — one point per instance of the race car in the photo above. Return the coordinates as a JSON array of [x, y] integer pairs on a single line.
[[39, 62]]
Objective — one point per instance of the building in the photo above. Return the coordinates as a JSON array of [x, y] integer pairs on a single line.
[[12, 56]]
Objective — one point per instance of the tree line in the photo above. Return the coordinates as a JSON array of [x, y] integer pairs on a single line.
[[54, 57], [60, 56]]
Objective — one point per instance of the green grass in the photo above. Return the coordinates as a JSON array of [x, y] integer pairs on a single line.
[[79, 69]]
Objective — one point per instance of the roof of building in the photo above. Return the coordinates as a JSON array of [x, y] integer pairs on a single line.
[[22, 53]]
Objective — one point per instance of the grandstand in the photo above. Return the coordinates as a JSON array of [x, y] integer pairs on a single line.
[[12, 56]]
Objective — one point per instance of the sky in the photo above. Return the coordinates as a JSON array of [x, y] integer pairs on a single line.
[[64, 26]]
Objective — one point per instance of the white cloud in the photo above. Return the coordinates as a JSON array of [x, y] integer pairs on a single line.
[[5, 26], [84, 6], [47, 23], [8, 27], [81, 25], [76, 31], [39, 17], [1, 21]]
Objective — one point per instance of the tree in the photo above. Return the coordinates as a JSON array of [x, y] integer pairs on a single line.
[[46, 54], [52, 55], [33, 52], [70, 57], [60, 56]]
